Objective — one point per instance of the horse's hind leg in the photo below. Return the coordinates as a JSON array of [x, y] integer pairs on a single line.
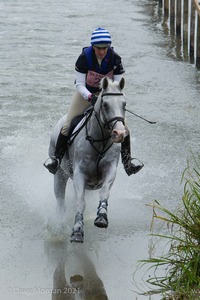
[[77, 232]]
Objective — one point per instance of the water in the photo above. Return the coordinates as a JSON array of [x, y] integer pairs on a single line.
[[39, 44]]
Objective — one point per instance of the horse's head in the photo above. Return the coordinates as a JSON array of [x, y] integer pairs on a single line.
[[112, 108]]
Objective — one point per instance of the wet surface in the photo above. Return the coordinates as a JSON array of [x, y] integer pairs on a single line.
[[40, 42]]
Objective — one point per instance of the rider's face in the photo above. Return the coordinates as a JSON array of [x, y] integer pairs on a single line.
[[100, 52]]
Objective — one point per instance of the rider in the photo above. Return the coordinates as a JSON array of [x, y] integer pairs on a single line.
[[94, 63]]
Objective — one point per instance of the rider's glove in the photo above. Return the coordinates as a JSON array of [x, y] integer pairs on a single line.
[[92, 99]]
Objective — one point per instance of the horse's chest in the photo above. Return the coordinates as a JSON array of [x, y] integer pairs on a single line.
[[89, 164], [94, 166]]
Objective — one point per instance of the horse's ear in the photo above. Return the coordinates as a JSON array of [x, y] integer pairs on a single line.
[[122, 83], [105, 83]]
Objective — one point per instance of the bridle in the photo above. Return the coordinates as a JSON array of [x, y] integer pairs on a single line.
[[116, 119], [107, 123]]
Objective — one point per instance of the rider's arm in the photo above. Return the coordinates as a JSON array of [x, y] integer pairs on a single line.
[[118, 67], [80, 85], [80, 76]]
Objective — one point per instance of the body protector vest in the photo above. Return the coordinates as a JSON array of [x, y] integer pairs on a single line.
[[95, 71]]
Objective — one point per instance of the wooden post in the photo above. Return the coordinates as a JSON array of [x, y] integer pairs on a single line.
[[198, 44], [187, 41], [166, 16], [197, 7], [172, 15], [192, 28], [185, 30], [160, 3], [166, 7], [178, 17]]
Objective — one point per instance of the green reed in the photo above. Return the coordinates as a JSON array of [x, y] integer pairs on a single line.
[[181, 264]]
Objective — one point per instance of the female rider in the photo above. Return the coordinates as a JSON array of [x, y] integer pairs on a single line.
[[94, 63]]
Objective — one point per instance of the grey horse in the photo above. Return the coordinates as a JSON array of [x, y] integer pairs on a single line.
[[93, 154]]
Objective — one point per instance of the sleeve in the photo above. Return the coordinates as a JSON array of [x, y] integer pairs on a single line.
[[80, 85], [118, 69], [81, 64]]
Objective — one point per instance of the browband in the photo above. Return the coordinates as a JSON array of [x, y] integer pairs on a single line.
[[112, 94]]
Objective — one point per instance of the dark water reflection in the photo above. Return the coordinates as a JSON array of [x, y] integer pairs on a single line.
[[77, 280], [177, 41]]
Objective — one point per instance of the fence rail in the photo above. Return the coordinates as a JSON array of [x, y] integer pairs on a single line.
[[183, 20]]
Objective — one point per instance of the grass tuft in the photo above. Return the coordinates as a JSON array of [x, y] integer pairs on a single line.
[[180, 266]]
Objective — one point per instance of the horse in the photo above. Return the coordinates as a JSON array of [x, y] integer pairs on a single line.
[[93, 155]]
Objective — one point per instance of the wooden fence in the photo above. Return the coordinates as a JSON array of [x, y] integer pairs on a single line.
[[183, 20]]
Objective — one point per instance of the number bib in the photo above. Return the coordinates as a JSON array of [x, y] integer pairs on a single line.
[[93, 78]]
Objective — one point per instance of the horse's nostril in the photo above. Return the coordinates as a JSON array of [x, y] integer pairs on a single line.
[[115, 132], [118, 136], [118, 133]]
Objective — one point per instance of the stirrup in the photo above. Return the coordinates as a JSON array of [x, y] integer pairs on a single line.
[[53, 166], [133, 168]]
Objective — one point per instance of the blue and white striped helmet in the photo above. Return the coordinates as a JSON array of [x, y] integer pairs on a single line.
[[101, 38]]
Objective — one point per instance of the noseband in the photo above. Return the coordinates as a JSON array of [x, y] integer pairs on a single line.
[[116, 119]]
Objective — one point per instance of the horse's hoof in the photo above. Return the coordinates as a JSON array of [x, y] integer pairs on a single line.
[[101, 221], [76, 236]]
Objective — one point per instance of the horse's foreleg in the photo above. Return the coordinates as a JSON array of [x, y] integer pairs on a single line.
[[60, 181], [79, 185], [102, 218]]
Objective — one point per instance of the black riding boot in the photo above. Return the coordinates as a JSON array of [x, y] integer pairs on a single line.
[[129, 167], [61, 147]]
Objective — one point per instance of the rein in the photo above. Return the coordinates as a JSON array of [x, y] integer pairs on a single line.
[[104, 139]]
